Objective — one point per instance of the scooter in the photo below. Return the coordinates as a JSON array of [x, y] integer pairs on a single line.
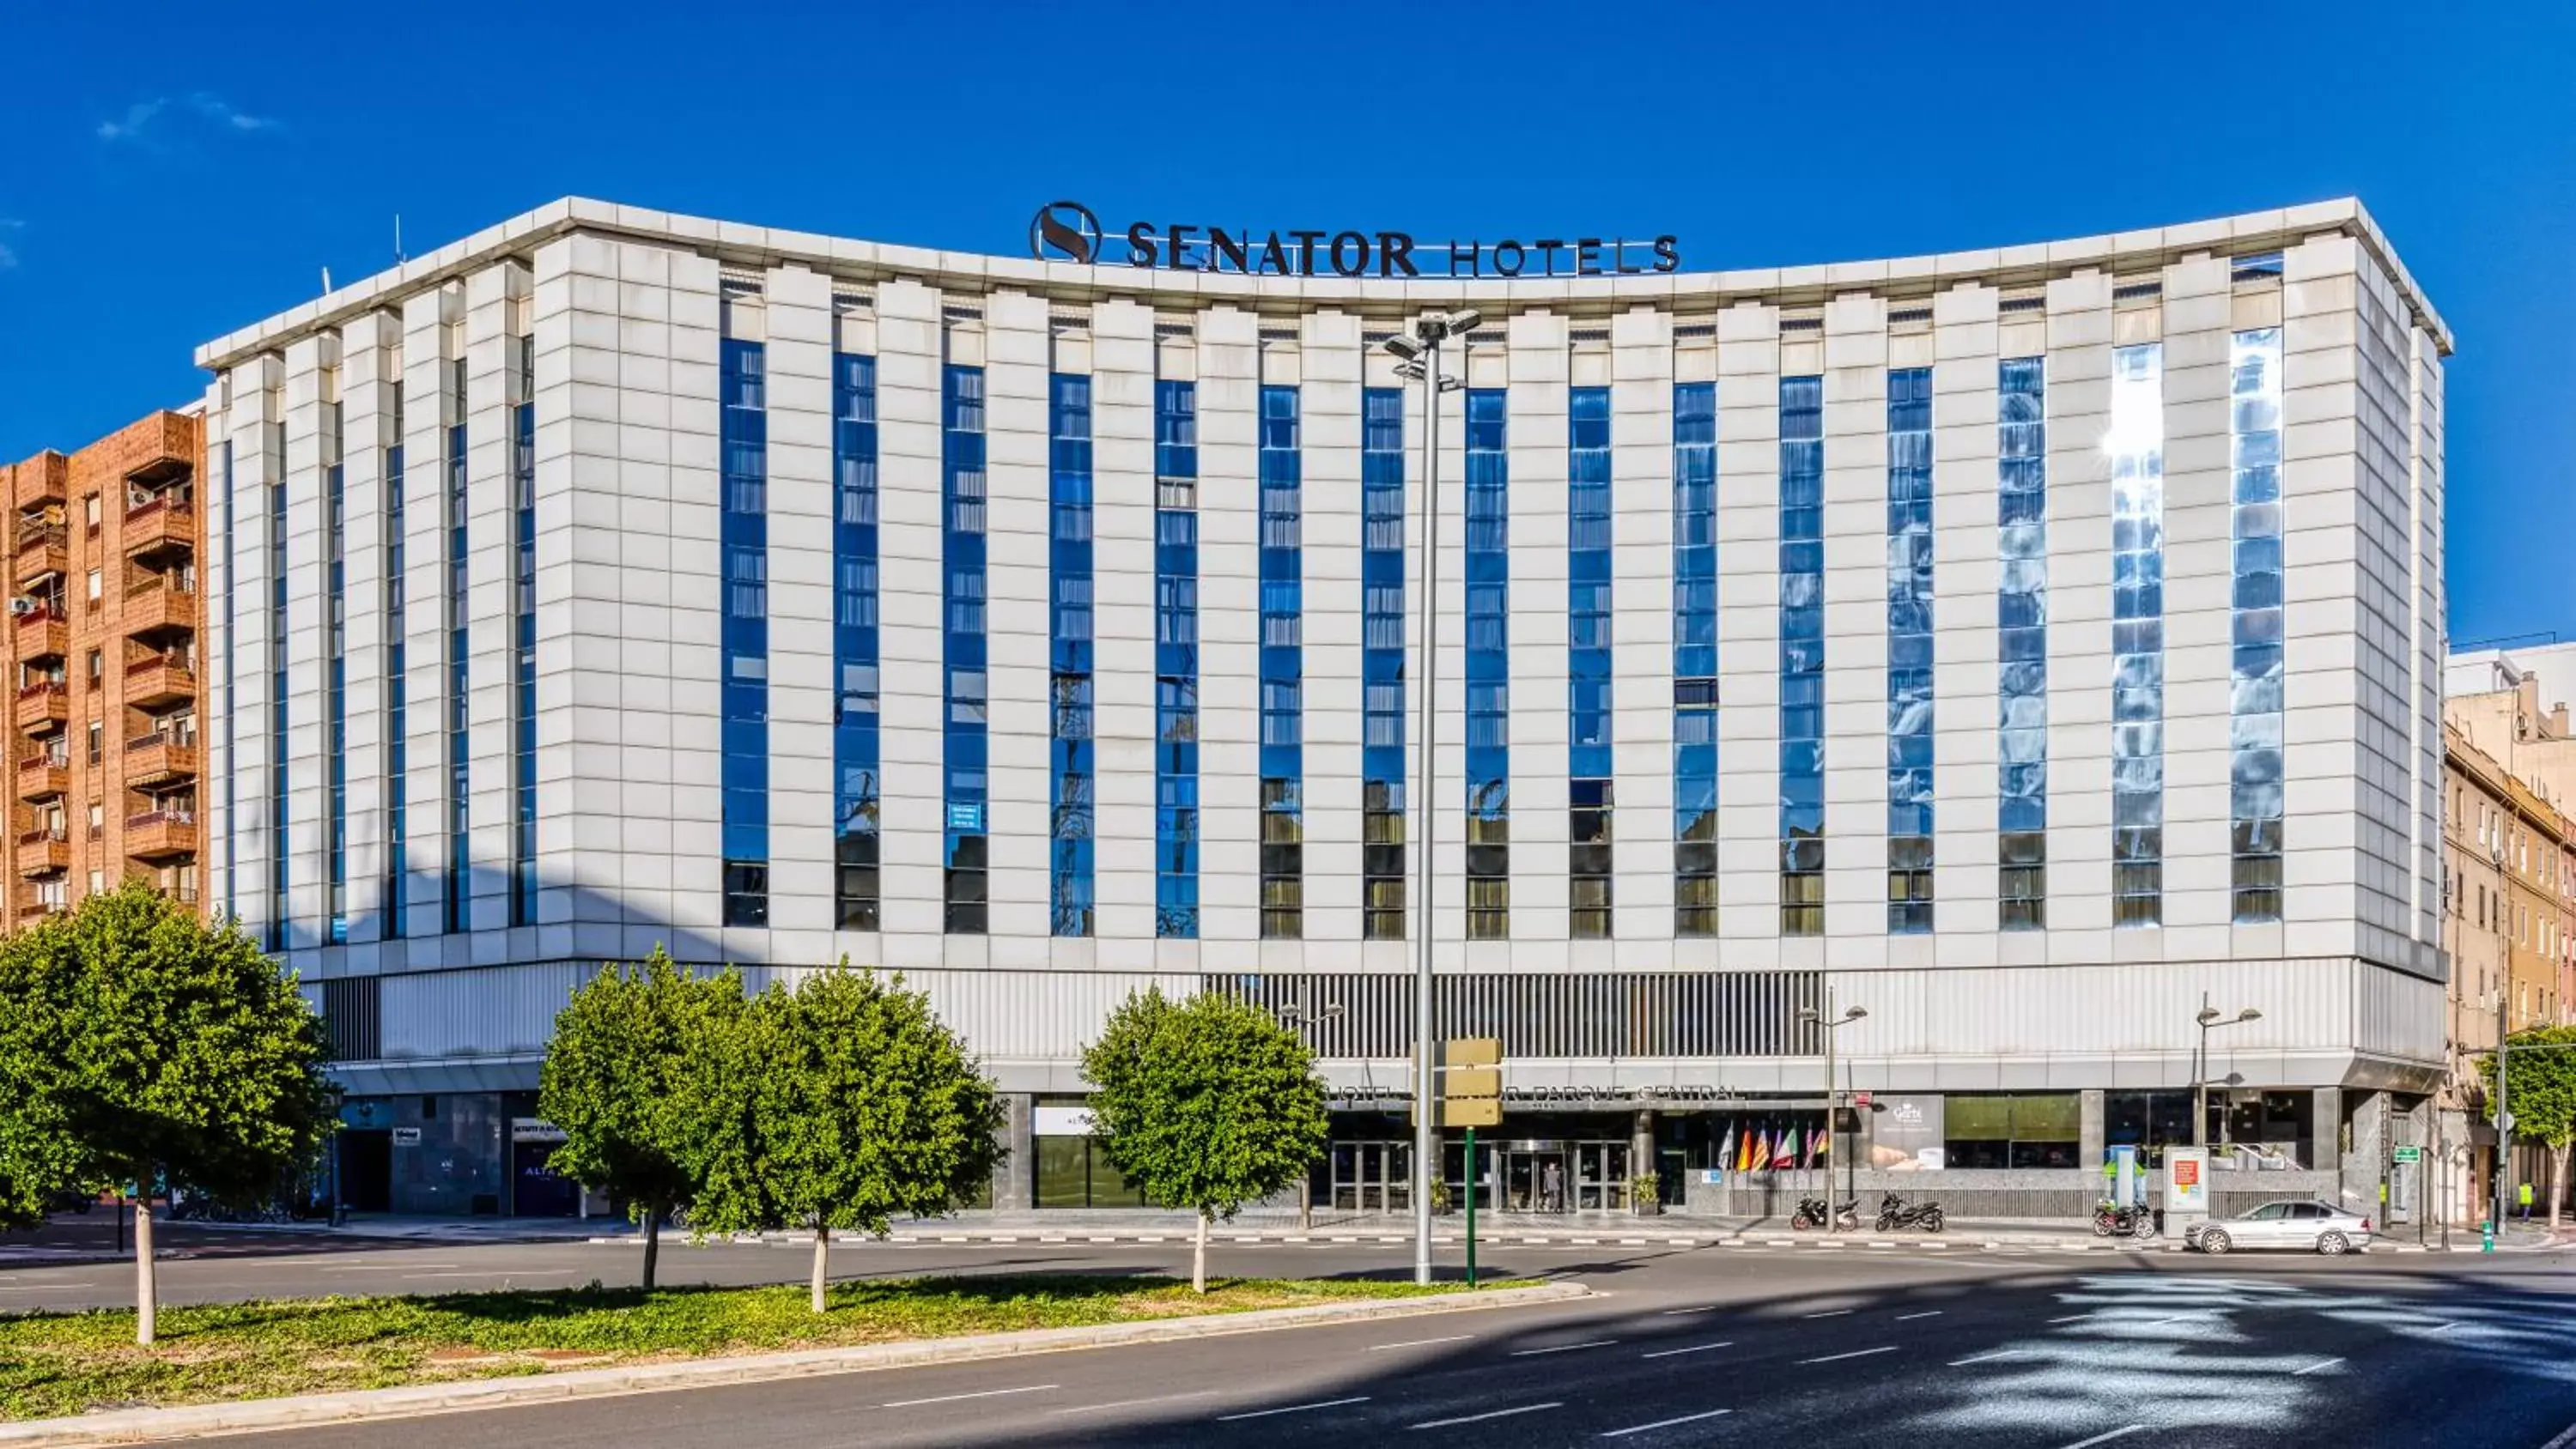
[[1895, 1212], [1813, 1213]]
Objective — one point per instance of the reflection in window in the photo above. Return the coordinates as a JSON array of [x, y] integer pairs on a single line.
[[962, 653], [2021, 605], [1489, 670], [1283, 721], [1802, 656], [855, 744], [1909, 650], [2254, 725], [2026, 1129], [1587, 557], [1176, 660], [335, 651], [2136, 448], [1070, 860], [1695, 659], [1382, 574]]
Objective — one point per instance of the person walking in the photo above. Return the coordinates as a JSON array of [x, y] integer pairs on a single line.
[[2523, 1195]]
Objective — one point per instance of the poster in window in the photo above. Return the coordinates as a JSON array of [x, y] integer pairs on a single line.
[[1906, 1133]]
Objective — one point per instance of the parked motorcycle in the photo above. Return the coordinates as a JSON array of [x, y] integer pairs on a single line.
[[1895, 1212], [2112, 1220], [1814, 1213]]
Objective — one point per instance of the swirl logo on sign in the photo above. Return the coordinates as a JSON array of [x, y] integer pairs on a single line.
[[1065, 231]]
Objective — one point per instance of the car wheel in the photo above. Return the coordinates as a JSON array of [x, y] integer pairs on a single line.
[[2214, 1242], [2334, 1245]]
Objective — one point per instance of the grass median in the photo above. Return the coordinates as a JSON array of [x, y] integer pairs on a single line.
[[54, 1364]]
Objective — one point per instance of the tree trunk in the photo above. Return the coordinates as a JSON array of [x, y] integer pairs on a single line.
[[2557, 1182], [822, 1262], [652, 1244], [1198, 1257], [146, 1291]]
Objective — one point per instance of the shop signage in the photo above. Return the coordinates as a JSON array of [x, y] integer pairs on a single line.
[[1068, 231], [406, 1137], [2409, 1154], [2186, 1180], [535, 1129], [1060, 1122]]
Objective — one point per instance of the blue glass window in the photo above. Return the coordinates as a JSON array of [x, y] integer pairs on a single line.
[[335, 693], [277, 899], [1695, 659], [1588, 673], [397, 686], [1802, 656], [2255, 680], [744, 690], [523, 642], [962, 558], [1382, 741], [1283, 720], [460, 653], [1176, 660], [1489, 669], [855, 745], [2021, 611], [1909, 650], [1070, 859], [2136, 448]]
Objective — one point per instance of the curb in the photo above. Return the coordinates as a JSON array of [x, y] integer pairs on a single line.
[[128, 1426]]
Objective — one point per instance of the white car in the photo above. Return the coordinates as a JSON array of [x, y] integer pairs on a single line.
[[2306, 1226]]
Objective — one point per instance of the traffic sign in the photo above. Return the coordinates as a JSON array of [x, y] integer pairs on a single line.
[[2410, 1154], [1472, 1051], [1860, 1099], [1471, 1112], [1471, 1082]]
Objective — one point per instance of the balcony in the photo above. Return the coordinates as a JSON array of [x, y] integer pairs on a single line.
[[44, 851], [32, 906], [40, 551], [40, 481], [151, 759], [162, 525], [155, 680], [161, 834], [41, 634], [44, 775], [43, 707], [155, 604]]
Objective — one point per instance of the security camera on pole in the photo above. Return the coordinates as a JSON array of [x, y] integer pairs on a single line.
[[1418, 359]]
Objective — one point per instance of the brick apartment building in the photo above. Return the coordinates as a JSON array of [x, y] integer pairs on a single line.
[[102, 644]]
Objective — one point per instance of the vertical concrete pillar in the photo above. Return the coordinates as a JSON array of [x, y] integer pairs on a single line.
[[2089, 1130], [1641, 1147], [2325, 1125], [1015, 1176]]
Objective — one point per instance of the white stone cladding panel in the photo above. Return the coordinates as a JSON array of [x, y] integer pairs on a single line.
[[1330, 547], [430, 405], [1017, 529], [912, 707], [1229, 598], [1122, 491], [800, 536], [1965, 577], [1855, 421], [370, 390], [1535, 442], [2199, 529], [2079, 618], [1748, 635], [1641, 503], [312, 365]]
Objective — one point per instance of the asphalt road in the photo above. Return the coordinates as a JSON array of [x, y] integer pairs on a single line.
[[1704, 1346]]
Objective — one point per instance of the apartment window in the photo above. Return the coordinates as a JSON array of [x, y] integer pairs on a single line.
[[1588, 669], [2255, 683], [744, 689], [1283, 721], [98, 882], [1176, 660], [97, 734], [90, 510], [97, 587], [97, 665], [2021, 602], [523, 637], [1072, 854], [1802, 656], [1695, 659], [1382, 719], [963, 647], [856, 745], [97, 817], [1489, 669], [2136, 447], [1909, 650]]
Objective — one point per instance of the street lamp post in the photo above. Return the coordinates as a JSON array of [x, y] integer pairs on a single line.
[[1418, 358], [2210, 1019], [1851, 1172]]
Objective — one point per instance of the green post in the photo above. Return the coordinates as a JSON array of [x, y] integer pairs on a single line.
[[1471, 1207]]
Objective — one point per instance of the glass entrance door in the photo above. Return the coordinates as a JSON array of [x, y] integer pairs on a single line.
[[1533, 1177], [1371, 1177], [1600, 1176]]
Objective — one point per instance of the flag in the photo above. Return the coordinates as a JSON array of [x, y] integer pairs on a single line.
[[1761, 1150], [1818, 1144], [1744, 1153], [1788, 1150], [1726, 1149]]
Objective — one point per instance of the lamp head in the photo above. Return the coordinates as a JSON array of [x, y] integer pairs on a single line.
[[2249, 1014], [2207, 1015], [1401, 347], [1809, 1013], [1856, 1013], [1465, 319]]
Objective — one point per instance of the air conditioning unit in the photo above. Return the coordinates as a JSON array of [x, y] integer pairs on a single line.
[[22, 605]]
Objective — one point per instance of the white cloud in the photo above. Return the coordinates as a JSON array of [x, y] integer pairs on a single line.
[[206, 106]]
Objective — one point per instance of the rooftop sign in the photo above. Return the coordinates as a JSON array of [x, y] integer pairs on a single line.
[[1068, 231]]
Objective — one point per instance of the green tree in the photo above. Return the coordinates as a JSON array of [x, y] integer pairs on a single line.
[[616, 1078], [2541, 1095], [139, 1045], [839, 1104], [1205, 1104]]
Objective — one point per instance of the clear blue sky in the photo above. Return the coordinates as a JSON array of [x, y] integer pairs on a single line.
[[170, 172]]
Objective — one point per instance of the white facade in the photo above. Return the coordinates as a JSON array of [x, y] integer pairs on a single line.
[[623, 309]]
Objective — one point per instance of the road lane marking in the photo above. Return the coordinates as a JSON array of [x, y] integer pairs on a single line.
[[1927, 1313], [1828, 1313], [2120, 1433], [2314, 1367], [1134, 1403], [1496, 1414], [2070, 1318], [1663, 1423], [1419, 1342], [1855, 1353], [1984, 1357], [1291, 1409], [954, 1398], [379, 1267], [1563, 1347], [1694, 1348], [1678, 1312]]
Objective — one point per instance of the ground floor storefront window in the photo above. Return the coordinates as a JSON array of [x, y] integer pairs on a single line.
[[2148, 1121], [2013, 1129]]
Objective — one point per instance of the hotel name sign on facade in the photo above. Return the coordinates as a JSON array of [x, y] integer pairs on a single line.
[[1068, 231]]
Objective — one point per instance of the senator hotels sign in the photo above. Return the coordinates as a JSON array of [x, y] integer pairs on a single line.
[[1068, 231]]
